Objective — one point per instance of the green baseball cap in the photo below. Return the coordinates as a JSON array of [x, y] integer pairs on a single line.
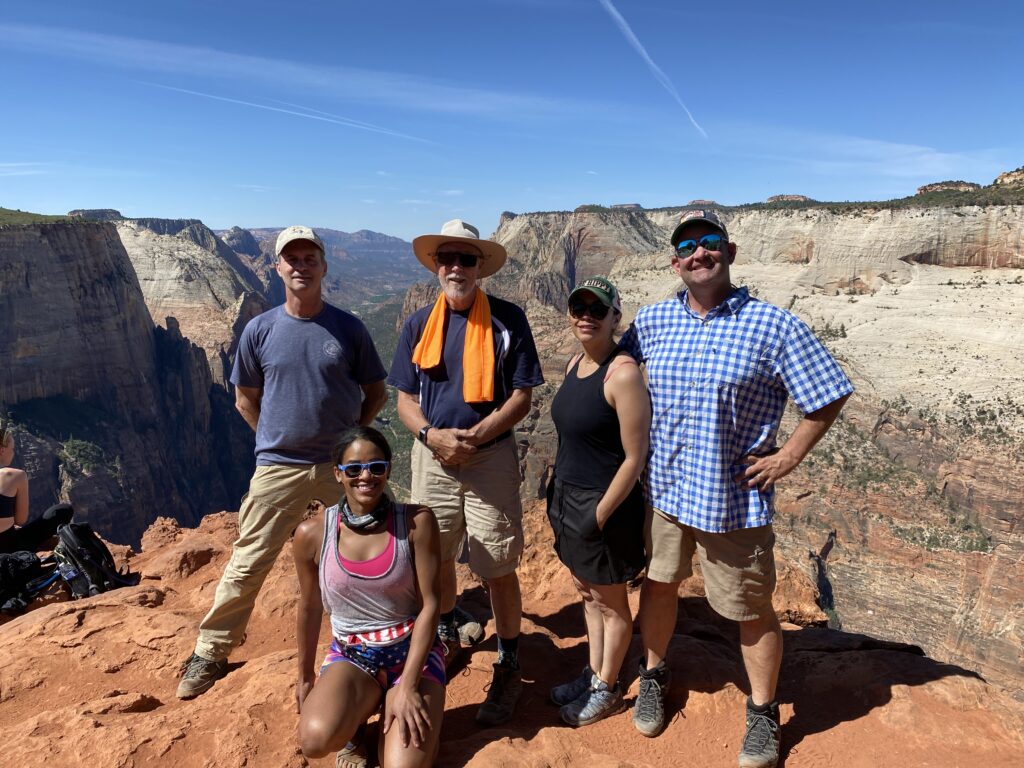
[[603, 289]]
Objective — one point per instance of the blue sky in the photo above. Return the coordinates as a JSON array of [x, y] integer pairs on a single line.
[[402, 115]]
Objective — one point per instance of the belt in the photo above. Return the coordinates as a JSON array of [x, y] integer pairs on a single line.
[[495, 441]]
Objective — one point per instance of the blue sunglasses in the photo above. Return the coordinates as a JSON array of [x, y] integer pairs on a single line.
[[686, 248], [376, 468]]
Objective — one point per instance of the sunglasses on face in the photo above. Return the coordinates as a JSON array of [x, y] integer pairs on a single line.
[[687, 248], [597, 310], [449, 258], [354, 470]]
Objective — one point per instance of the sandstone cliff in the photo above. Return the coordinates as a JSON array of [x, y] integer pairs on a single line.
[[188, 273], [121, 418], [845, 698]]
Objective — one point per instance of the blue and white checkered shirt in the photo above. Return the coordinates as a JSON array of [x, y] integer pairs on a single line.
[[718, 389]]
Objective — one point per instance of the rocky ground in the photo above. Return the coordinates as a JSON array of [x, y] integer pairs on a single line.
[[91, 683]]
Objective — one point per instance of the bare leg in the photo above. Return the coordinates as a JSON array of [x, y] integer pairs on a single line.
[[395, 755], [658, 604], [507, 604], [449, 586], [595, 625], [341, 700], [761, 644], [612, 606]]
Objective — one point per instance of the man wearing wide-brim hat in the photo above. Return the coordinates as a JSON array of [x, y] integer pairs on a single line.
[[465, 369]]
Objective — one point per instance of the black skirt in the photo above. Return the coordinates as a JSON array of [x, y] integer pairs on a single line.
[[612, 555]]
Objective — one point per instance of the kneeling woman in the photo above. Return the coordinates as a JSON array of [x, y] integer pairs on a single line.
[[595, 504], [373, 565]]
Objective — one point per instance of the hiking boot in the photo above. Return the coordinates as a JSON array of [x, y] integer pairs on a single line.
[[471, 631], [761, 741], [506, 687], [567, 693], [452, 645], [597, 702], [649, 710], [198, 675]]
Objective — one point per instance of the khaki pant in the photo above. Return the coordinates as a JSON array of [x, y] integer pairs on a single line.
[[271, 511], [476, 501], [738, 566]]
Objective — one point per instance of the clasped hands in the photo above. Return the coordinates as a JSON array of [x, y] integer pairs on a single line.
[[453, 446]]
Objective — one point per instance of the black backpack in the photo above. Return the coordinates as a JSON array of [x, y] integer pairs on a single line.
[[22, 576], [86, 564]]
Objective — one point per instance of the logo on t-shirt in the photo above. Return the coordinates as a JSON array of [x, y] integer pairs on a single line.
[[332, 349]]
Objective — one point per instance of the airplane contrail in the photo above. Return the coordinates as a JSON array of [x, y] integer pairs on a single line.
[[322, 116], [660, 76]]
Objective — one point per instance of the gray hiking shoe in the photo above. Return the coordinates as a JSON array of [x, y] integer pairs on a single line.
[[598, 702], [471, 631], [761, 741], [500, 704], [198, 675], [567, 693], [649, 710]]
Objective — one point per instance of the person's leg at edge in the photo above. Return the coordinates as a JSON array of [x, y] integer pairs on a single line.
[[343, 698], [761, 646], [595, 625], [616, 621], [394, 755], [507, 604], [658, 608]]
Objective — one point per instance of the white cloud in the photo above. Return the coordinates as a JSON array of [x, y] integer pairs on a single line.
[[415, 201], [592, 173], [366, 86], [24, 169], [453, 192]]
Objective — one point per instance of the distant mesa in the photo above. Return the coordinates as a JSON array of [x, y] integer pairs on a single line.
[[789, 199], [949, 186], [628, 206], [241, 241], [703, 203], [96, 214], [1010, 178]]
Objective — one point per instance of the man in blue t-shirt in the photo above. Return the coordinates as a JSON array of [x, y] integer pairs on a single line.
[[465, 369], [304, 372]]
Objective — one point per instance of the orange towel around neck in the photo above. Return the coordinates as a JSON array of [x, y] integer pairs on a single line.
[[477, 351]]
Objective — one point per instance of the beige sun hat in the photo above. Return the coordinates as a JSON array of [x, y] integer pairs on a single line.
[[458, 231], [293, 233]]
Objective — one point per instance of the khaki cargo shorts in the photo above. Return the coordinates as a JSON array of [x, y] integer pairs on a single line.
[[738, 566], [477, 501]]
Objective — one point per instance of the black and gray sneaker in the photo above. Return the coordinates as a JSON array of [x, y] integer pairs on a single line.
[[568, 692], [649, 710], [198, 675], [470, 630], [500, 704], [452, 645], [761, 741], [598, 702]]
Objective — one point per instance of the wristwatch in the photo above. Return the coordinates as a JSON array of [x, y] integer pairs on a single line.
[[423, 433]]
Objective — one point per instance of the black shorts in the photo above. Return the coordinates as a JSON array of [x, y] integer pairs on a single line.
[[613, 555]]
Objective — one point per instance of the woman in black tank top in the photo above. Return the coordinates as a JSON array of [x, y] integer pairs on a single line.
[[595, 504], [17, 532]]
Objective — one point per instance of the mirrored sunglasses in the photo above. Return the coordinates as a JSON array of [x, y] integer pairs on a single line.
[[597, 310], [448, 259], [687, 248], [376, 468]]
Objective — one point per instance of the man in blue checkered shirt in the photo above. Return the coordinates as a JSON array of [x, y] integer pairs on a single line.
[[720, 366]]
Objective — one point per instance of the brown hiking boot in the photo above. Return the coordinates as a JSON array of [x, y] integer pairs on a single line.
[[500, 704], [198, 675]]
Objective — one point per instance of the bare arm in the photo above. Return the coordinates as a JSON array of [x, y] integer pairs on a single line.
[[407, 710], [375, 395], [445, 443], [765, 471], [501, 420], [21, 498], [247, 403], [306, 547], [627, 394]]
